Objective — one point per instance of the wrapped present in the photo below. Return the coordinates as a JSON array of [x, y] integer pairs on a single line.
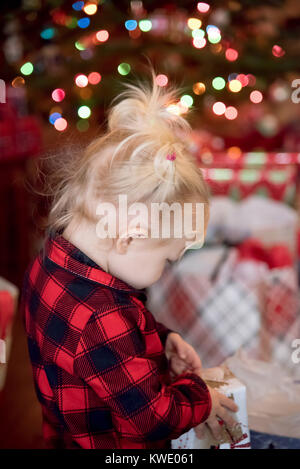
[[239, 437], [8, 303]]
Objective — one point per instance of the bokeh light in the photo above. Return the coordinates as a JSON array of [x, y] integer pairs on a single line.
[[194, 23], [235, 86], [81, 80], [94, 78], [54, 116], [199, 42], [278, 51], [18, 82], [83, 125], [84, 112], [256, 97], [231, 54], [203, 7], [90, 8], [199, 88], [58, 95], [186, 100], [145, 25], [231, 113], [83, 23], [27, 68], [60, 124], [102, 35], [219, 108], [234, 152], [124, 68], [130, 25], [218, 83], [162, 80]]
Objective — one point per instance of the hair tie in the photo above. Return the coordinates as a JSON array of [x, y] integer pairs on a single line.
[[171, 156]]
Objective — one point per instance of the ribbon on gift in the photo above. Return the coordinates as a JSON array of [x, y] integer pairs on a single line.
[[275, 256]]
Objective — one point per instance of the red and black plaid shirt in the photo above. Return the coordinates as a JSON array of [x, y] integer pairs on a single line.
[[97, 353]]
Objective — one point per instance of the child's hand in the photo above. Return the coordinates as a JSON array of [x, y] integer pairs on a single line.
[[181, 355], [220, 404]]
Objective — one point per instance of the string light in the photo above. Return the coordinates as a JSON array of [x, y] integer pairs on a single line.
[[162, 80], [48, 33], [235, 86], [145, 25], [256, 97], [131, 25], [124, 68], [18, 82], [186, 100], [90, 8], [219, 108], [199, 42], [77, 6], [102, 35], [53, 117], [84, 112], [194, 23], [81, 81], [27, 68], [218, 83], [198, 33], [199, 88], [83, 23], [60, 124], [277, 51], [231, 113], [234, 152], [94, 78], [58, 95], [231, 55], [203, 7], [243, 79]]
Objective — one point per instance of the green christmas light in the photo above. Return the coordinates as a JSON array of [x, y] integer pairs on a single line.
[[145, 25], [84, 112], [27, 68], [187, 100], [218, 83], [198, 33], [124, 68], [79, 46]]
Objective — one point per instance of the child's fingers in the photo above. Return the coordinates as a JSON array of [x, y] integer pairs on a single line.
[[228, 403], [200, 431], [227, 418]]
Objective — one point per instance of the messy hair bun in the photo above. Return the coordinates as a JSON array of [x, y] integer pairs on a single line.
[[131, 157]]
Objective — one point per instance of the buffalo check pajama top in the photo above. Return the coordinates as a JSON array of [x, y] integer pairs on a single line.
[[97, 354]]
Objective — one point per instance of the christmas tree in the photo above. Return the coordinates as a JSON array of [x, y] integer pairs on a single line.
[[236, 60]]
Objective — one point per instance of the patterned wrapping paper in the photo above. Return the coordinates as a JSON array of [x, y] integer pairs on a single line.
[[219, 304], [236, 390]]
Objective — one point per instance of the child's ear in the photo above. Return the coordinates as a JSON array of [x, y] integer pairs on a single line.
[[122, 244], [127, 237]]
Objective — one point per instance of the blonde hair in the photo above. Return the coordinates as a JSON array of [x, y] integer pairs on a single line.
[[130, 158]]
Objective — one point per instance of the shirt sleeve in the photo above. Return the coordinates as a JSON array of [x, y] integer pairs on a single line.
[[111, 358], [163, 332]]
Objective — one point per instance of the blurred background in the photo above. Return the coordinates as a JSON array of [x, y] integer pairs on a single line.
[[237, 61]]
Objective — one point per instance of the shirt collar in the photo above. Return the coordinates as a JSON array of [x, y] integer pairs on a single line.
[[63, 253]]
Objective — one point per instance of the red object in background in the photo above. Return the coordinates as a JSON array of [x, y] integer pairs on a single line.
[[275, 256], [20, 136], [6, 312]]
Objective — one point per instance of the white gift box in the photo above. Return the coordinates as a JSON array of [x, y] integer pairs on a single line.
[[232, 388]]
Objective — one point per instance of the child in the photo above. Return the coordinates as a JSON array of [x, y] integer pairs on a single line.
[[106, 373]]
